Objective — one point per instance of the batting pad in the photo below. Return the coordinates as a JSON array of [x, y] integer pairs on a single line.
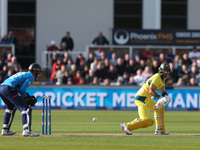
[[139, 123], [159, 119]]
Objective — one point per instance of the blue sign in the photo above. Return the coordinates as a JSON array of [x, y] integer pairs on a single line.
[[123, 99]]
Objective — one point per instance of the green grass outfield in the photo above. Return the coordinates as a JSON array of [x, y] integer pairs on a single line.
[[75, 130]]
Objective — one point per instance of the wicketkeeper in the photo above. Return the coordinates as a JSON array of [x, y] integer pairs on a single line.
[[13, 93], [145, 103]]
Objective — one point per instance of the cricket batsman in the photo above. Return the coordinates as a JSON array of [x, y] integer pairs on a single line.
[[145, 103]]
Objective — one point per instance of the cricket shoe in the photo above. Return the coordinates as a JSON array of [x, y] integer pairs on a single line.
[[125, 129], [29, 133], [159, 132], [7, 132]]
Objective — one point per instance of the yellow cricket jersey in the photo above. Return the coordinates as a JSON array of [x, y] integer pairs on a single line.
[[143, 92]]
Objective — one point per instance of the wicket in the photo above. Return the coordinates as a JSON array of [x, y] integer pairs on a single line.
[[46, 106]]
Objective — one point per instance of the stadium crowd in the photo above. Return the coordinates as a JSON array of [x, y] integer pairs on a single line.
[[107, 68], [103, 68]]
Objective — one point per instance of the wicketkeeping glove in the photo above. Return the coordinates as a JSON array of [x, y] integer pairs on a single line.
[[31, 100]]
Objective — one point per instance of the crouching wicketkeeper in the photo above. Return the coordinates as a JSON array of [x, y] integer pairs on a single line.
[[144, 103], [13, 93]]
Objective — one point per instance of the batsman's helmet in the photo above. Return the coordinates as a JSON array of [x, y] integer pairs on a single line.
[[164, 70]]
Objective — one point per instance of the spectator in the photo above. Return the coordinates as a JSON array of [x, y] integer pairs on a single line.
[[176, 61], [60, 75], [9, 58], [137, 59], [9, 73], [120, 67], [94, 64], [5, 54], [79, 59], [11, 37], [52, 47], [147, 72], [184, 70], [77, 77], [106, 64], [131, 81], [69, 64], [97, 53], [111, 74], [125, 78], [85, 71], [147, 54], [5, 40], [65, 77], [193, 71], [95, 81], [111, 51], [99, 72], [119, 81], [89, 77], [13, 64], [66, 57], [179, 67], [186, 60], [56, 66], [186, 79], [194, 54], [193, 82], [173, 73], [17, 69], [194, 64], [100, 40], [162, 58], [113, 59], [68, 40], [155, 66], [4, 71], [157, 54], [180, 82], [53, 59], [142, 64], [81, 65], [132, 67], [69, 81], [90, 58], [82, 81], [63, 47], [73, 70], [126, 60], [102, 57], [106, 82], [170, 56], [139, 79]]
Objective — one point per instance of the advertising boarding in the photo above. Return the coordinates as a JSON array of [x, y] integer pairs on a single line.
[[109, 99]]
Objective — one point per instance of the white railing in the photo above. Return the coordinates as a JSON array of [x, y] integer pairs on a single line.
[[47, 56], [118, 49]]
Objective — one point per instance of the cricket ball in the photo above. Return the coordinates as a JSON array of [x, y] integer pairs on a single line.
[[94, 119]]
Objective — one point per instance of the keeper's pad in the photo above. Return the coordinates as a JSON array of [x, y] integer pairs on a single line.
[[162, 102], [26, 118], [139, 123], [159, 119], [8, 118]]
